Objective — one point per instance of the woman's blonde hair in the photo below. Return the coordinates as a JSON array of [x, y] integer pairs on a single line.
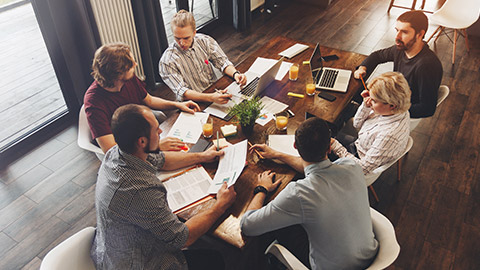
[[182, 19], [391, 88], [110, 62]]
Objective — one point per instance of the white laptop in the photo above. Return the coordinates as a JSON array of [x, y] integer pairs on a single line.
[[327, 78], [256, 84]]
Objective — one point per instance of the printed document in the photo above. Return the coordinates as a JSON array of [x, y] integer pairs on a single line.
[[188, 127], [185, 186], [230, 166]]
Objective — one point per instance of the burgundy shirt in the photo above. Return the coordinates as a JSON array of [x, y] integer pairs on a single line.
[[100, 104]]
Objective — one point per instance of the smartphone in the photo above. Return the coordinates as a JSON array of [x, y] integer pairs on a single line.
[[330, 57], [326, 96]]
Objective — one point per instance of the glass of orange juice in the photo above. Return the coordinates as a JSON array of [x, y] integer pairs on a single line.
[[207, 128], [293, 72], [310, 87], [281, 120]]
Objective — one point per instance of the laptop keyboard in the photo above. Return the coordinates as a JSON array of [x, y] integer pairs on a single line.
[[328, 80], [250, 88]]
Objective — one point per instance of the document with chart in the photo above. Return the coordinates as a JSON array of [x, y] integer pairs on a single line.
[[230, 166]]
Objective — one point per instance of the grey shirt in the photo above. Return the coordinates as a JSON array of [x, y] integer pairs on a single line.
[[331, 204], [135, 227]]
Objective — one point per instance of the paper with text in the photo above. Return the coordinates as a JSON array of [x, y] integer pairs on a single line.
[[188, 127], [185, 187], [230, 166]]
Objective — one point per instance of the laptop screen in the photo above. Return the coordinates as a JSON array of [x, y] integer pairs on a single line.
[[316, 63]]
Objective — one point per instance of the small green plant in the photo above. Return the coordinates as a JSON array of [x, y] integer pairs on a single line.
[[247, 111]]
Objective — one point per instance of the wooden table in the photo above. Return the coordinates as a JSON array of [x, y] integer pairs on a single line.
[[228, 226]]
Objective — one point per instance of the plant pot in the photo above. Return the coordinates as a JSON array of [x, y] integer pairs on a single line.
[[247, 130]]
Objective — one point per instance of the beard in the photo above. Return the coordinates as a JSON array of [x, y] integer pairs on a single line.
[[147, 150], [404, 47]]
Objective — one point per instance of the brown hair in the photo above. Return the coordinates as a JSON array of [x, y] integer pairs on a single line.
[[128, 124], [417, 20], [312, 139], [110, 62], [182, 19]]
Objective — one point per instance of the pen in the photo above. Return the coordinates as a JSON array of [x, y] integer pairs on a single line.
[[361, 78], [220, 92], [218, 143], [256, 151], [295, 95]]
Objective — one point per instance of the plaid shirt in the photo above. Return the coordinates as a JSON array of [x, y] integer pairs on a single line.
[[381, 139], [192, 69], [135, 227]]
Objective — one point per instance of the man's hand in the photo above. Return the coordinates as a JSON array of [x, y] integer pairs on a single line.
[[225, 197], [240, 78], [171, 144], [265, 150], [188, 106], [221, 96], [360, 72], [265, 179], [211, 154]]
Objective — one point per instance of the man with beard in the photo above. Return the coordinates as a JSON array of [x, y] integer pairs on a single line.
[[413, 58], [136, 229]]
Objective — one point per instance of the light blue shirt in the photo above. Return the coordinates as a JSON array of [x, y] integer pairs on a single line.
[[331, 204]]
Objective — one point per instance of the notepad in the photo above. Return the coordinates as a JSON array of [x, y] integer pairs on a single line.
[[293, 50], [283, 143]]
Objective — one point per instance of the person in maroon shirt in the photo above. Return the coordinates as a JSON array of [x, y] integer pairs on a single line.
[[115, 84]]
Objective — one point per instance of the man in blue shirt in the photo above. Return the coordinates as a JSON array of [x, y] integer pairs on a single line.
[[330, 203]]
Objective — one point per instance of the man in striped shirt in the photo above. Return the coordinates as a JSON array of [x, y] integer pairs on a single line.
[[187, 64]]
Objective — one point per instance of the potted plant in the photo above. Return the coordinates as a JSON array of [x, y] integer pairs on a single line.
[[247, 112]]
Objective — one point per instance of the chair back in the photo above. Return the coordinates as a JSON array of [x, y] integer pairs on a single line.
[[373, 176], [443, 92], [389, 248], [285, 256], [84, 139], [71, 254], [457, 14]]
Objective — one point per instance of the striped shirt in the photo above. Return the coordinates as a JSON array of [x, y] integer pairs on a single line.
[[135, 227], [192, 69], [381, 139]]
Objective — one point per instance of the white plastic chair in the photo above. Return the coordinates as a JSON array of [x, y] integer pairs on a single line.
[[457, 15], [388, 249], [84, 139], [373, 176], [71, 254], [443, 92]]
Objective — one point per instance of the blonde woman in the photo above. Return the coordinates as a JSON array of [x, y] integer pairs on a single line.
[[383, 122]]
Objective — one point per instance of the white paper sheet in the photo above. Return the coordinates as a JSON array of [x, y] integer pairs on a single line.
[[230, 166], [261, 65], [185, 188], [283, 143], [188, 127], [271, 108]]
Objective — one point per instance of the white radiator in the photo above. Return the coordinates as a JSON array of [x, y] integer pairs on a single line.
[[115, 23]]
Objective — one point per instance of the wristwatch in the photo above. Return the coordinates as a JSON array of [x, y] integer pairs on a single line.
[[260, 189], [233, 76]]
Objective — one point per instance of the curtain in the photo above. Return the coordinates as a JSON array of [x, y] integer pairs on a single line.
[[152, 37], [71, 40], [242, 16]]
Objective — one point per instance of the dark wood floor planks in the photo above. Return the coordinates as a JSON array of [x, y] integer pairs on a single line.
[[47, 195]]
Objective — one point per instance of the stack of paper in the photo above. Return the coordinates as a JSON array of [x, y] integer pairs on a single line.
[[294, 50]]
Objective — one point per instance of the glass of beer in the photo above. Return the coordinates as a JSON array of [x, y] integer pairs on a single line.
[[310, 87], [281, 120], [293, 72], [207, 128]]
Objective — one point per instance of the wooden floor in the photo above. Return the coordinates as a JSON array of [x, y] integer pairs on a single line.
[[48, 194], [29, 92]]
